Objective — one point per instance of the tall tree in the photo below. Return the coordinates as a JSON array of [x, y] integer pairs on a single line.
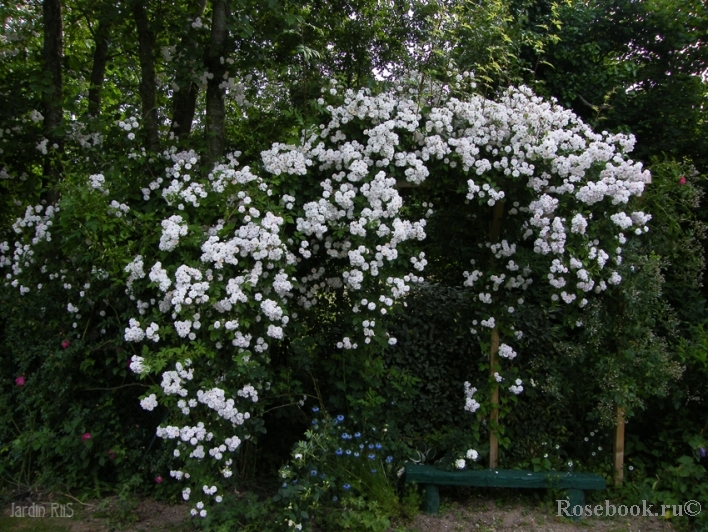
[[185, 98], [98, 68], [52, 95], [635, 66], [148, 84], [215, 62]]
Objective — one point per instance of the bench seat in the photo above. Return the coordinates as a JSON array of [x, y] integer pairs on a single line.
[[430, 477]]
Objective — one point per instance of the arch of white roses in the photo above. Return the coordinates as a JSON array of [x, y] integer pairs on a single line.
[[238, 258]]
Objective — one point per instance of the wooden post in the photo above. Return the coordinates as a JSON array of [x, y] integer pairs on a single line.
[[494, 414], [494, 233], [619, 447]]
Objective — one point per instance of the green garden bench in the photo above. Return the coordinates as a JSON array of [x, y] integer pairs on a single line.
[[429, 478]]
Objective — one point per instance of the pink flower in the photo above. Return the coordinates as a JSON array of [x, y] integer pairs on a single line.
[[682, 181], [112, 454], [65, 344], [158, 479], [20, 381], [86, 436]]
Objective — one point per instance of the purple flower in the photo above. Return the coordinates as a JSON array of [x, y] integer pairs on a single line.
[[702, 452]]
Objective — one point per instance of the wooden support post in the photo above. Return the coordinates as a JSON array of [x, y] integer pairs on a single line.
[[619, 447], [494, 414], [576, 498], [494, 234], [431, 501]]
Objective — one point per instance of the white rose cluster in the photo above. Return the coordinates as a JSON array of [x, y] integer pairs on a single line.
[[471, 404], [172, 228], [98, 182], [150, 402], [118, 209]]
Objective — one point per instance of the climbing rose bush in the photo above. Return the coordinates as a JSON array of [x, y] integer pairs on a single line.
[[221, 263]]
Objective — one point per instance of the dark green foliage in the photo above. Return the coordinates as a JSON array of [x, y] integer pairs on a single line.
[[85, 388], [434, 346]]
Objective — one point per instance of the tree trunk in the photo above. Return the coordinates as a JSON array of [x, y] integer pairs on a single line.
[[146, 50], [215, 62], [98, 70], [184, 101], [52, 96], [184, 106]]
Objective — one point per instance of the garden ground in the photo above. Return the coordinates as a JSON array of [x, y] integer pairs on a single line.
[[462, 512]]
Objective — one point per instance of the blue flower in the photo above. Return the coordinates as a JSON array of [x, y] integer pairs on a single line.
[[348, 451], [285, 485], [389, 459], [340, 418], [357, 434], [361, 446], [373, 470], [313, 473], [356, 455], [315, 408], [338, 452], [346, 487], [314, 422], [345, 436], [323, 476], [372, 456], [378, 446], [371, 446], [335, 499]]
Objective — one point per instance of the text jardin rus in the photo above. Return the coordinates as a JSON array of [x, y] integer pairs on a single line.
[[40, 510]]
